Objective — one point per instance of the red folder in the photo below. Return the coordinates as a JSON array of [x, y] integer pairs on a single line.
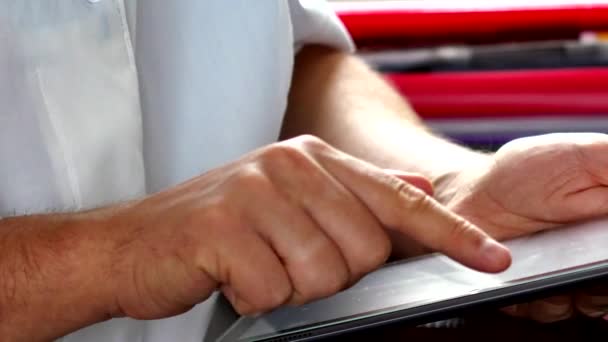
[[409, 25], [554, 92], [469, 94]]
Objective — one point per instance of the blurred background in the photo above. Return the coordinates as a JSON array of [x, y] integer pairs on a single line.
[[486, 72]]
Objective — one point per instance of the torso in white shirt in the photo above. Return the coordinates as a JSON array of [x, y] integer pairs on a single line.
[[77, 129]]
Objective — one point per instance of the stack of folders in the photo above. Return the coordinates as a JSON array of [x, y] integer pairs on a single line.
[[484, 96], [484, 73]]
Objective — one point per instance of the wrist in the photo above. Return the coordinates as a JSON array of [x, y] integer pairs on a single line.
[[457, 177], [121, 233]]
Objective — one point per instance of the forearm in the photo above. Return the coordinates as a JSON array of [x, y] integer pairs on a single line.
[[54, 275], [338, 98]]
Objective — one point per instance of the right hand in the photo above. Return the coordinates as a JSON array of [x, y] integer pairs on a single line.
[[286, 224]]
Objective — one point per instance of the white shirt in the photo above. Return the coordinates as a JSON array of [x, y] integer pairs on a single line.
[[102, 102]]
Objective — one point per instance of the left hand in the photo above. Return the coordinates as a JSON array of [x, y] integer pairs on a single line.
[[530, 185], [534, 184]]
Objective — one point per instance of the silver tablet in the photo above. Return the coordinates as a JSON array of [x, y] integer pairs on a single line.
[[424, 287]]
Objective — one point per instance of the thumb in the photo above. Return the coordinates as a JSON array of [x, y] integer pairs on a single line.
[[415, 179]]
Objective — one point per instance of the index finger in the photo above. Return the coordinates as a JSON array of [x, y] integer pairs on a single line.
[[401, 206]]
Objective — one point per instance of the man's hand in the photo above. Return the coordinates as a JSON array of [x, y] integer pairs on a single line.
[[530, 185], [290, 223], [536, 183], [533, 184]]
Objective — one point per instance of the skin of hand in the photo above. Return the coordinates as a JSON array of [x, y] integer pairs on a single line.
[[533, 184], [287, 224]]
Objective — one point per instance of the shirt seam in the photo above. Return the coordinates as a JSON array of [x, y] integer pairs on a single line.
[[66, 156]]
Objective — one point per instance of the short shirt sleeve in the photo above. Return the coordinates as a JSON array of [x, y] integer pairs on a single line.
[[315, 22]]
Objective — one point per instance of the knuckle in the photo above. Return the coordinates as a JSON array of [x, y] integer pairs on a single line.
[[219, 220], [213, 216], [375, 253], [409, 200], [285, 156], [460, 229], [266, 293], [324, 284], [333, 282], [318, 281], [339, 280], [278, 296], [311, 142], [252, 179], [380, 251], [412, 198]]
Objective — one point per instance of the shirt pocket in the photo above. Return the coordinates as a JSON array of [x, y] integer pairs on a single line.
[[76, 98]]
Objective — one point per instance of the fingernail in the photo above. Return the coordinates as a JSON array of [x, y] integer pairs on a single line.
[[497, 256]]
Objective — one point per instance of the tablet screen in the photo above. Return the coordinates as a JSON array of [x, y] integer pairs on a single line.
[[410, 287]]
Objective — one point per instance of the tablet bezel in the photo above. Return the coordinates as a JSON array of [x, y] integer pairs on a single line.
[[430, 311]]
